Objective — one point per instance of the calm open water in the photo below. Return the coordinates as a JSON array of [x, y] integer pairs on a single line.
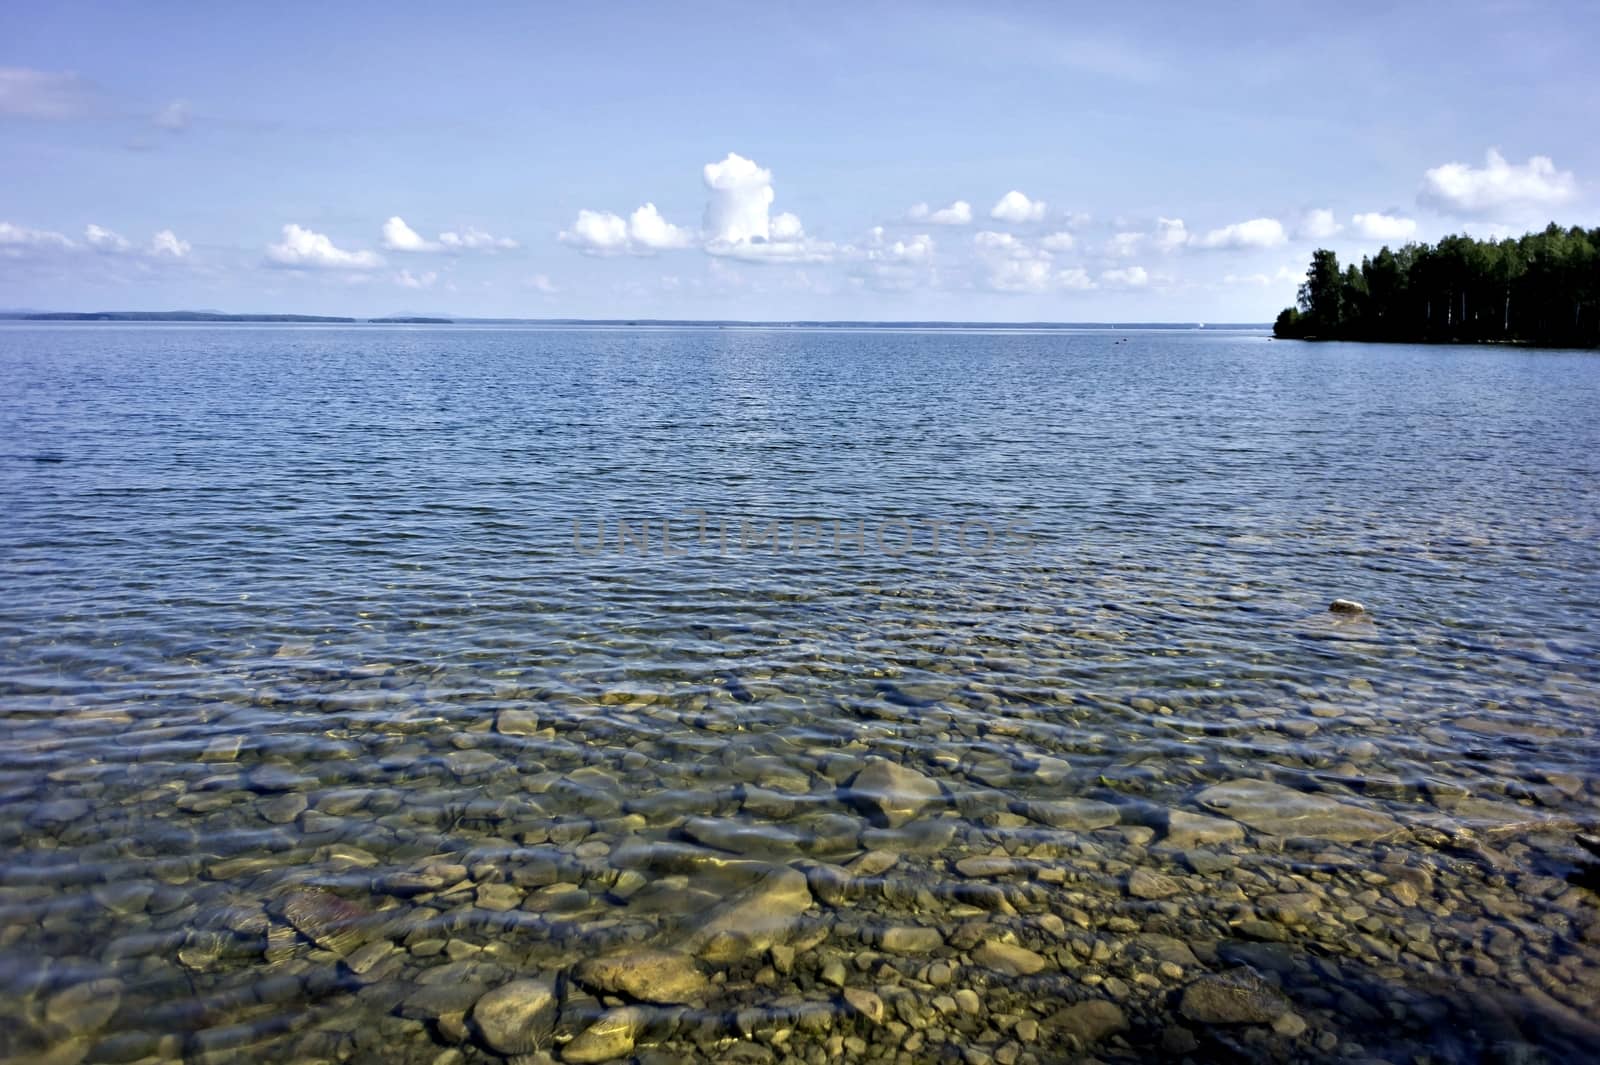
[[351, 704]]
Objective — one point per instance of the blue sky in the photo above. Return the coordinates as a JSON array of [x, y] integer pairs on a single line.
[[987, 161]]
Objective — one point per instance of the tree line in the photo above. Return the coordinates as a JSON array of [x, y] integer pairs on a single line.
[[1541, 288]]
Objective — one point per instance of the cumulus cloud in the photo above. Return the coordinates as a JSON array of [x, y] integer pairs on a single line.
[[1458, 188], [304, 249], [647, 229], [175, 117], [475, 240], [406, 279], [958, 213], [542, 283], [786, 226], [879, 248], [1171, 234], [165, 244], [43, 94], [1005, 246], [397, 236], [102, 239], [1016, 208], [1125, 277], [741, 195], [1256, 233], [1376, 226], [642, 233], [1062, 241], [1123, 245], [597, 233], [1011, 264], [1318, 224], [738, 222], [19, 241]]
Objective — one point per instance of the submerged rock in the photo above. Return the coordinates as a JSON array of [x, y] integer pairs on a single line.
[[1186, 830], [611, 1036], [1239, 996], [666, 977], [1008, 958], [516, 1018], [329, 921], [1144, 884], [1090, 1022], [1281, 811], [1076, 815], [891, 794], [759, 917]]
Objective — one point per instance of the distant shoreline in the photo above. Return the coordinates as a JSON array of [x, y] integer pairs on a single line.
[[135, 317]]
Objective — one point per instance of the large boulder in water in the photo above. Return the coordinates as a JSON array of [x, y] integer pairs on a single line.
[[891, 794], [1281, 811]]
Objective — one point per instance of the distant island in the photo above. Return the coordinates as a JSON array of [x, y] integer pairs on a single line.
[[1541, 288]]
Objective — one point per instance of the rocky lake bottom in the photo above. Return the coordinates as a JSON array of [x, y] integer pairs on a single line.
[[315, 748]]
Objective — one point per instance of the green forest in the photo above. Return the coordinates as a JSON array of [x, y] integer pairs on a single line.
[[1542, 288]]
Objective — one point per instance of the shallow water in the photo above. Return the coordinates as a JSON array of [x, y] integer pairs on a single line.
[[322, 714]]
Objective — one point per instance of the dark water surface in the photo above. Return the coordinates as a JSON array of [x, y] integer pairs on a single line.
[[322, 740]]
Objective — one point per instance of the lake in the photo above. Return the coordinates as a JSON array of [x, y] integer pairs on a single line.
[[458, 694]]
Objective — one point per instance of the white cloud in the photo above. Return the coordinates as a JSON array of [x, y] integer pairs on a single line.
[[303, 248], [648, 230], [1005, 246], [101, 239], [43, 93], [1256, 233], [1125, 277], [1017, 275], [1062, 241], [1122, 245], [741, 195], [645, 232], [18, 241], [786, 226], [916, 249], [1171, 234], [406, 279], [1376, 226], [597, 233], [1011, 264], [542, 283], [737, 222], [1318, 224], [175, 117], [475, 240], [1016, 208], [777, 251], [165, 244], [397, 236], [958, 213], [1457, 188]]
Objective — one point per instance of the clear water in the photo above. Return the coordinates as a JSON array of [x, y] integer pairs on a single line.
[[269, 594]]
